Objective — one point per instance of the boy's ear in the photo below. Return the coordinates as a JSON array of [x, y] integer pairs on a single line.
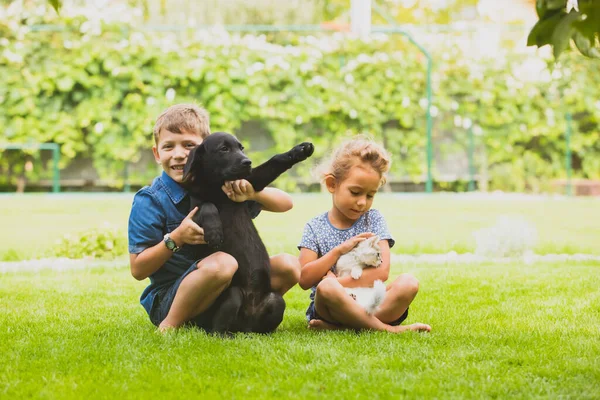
[[330, 183], [193, 163]]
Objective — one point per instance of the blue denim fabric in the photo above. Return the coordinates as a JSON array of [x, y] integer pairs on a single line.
[[158, 209]]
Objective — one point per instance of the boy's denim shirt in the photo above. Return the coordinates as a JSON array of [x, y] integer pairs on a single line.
[[157, 210]]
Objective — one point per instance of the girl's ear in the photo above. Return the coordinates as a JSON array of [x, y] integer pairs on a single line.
[[330, 183]]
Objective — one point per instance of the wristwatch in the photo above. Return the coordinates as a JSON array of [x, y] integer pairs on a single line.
[[170, 243]]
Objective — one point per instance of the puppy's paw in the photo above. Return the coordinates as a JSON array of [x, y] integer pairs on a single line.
[[301, 152], [214, 238]]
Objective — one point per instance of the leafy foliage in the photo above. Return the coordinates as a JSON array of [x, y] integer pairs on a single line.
[[104, 243], [559, 24], [96, 88]]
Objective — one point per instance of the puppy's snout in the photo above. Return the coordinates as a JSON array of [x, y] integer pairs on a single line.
[[246, 162]]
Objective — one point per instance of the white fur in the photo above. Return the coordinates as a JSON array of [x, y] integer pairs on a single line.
[[369, 298], [366, 254]]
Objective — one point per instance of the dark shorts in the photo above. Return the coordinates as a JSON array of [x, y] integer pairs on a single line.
[[312, 313], [164, 300]]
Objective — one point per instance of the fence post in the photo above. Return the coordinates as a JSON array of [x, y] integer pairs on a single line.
[[471, 187], [360, 17], [56, 170], [568, 161], [126, 185], [429, 94]]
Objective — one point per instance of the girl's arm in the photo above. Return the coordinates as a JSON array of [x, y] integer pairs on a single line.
[[370, 275], [314, 268]]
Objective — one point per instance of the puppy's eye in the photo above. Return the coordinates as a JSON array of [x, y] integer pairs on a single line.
[[224, 149]]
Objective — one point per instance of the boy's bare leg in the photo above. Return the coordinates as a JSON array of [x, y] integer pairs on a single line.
[[285, 272], [398, 297], [200, 289], [333, 304]]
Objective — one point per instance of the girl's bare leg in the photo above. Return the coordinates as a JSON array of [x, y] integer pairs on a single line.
[[398, 297], [400, 294], [200, 289], [333, 304]]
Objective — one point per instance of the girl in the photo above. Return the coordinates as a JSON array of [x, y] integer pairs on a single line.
[[353, 176]]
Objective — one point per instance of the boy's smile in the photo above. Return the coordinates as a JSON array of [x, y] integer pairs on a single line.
[[172, 151]]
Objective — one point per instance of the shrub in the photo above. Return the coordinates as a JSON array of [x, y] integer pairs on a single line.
[[103, 243]]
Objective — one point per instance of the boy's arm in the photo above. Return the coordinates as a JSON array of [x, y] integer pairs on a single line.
[[149, 261], [274, 200], [271, 199], [152, 258]]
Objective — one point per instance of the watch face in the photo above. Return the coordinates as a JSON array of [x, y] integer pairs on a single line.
[[170, 243]]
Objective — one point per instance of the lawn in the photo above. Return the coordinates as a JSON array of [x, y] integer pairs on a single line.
[[31, 224], [499, 330]]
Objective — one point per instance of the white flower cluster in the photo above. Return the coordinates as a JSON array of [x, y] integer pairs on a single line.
[[512, 236]]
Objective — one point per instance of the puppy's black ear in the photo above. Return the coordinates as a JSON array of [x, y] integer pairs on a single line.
[[193, 163]]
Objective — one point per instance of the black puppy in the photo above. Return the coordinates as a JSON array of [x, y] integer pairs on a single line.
[[249, 304]]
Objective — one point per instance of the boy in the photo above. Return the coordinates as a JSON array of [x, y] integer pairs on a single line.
[[165, 244]]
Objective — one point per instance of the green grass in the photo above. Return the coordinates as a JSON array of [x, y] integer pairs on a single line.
[[499, 331], [31, 224]]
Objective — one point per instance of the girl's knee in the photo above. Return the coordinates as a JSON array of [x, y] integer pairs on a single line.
[[328, 288], [406, 284], [219, 266]]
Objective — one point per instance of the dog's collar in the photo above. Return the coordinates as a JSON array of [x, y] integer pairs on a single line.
[[173, 189]]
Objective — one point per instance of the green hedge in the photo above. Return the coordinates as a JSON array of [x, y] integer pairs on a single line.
[[96, 90]]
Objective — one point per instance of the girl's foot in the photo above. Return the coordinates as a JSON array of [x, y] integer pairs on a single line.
[[416, 327], [319, 324]]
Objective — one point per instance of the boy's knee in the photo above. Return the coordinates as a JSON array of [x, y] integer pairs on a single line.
[[407, 284], [219, 266], [288, 266]]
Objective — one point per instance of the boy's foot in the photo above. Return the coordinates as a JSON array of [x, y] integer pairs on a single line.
[[416, 327], [319, 324], [165, 328]]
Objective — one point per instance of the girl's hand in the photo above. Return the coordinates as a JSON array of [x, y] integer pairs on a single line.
[[352, 242], [238, 191]]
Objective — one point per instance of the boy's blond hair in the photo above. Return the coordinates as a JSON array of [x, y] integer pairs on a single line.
[[359, 150], [183, 117]]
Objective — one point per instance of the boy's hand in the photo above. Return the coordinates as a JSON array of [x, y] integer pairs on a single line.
[[352, 242], [238, 191], [188, 232]]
